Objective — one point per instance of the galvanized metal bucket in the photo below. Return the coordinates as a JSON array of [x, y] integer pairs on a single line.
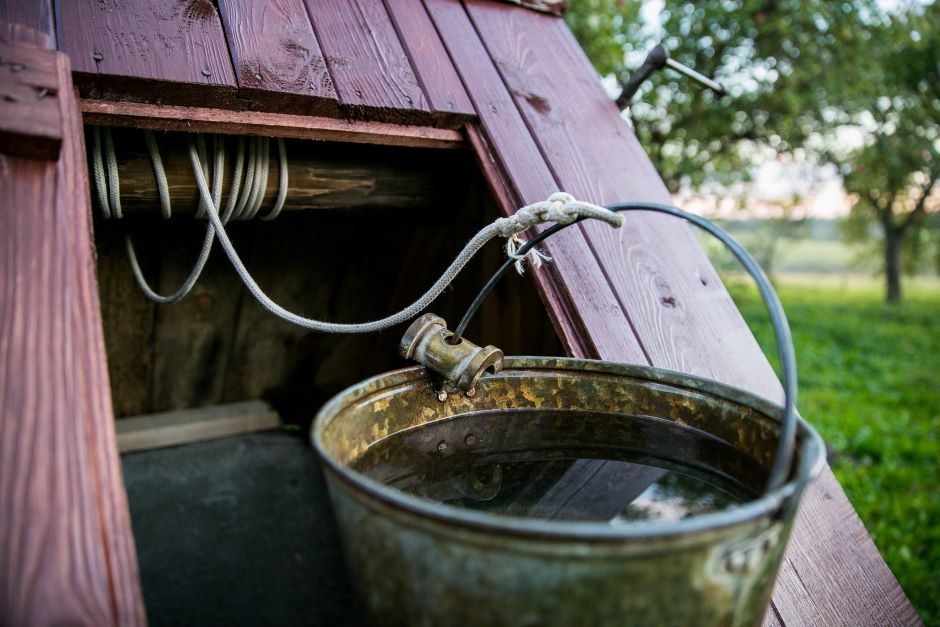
[[416, 562], [420, 562]]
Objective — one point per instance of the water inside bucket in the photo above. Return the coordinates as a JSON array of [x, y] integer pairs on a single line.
[[566, 465]]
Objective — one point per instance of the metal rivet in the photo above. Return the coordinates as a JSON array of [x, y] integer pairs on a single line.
[[470, 440], [442, 446], [206, 72], [97, 56]]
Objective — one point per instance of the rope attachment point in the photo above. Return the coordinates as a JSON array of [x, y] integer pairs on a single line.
[[560, 208]]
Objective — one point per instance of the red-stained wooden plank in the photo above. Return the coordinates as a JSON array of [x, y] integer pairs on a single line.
[[832, 572], [683, 316], [149, 50], [674, 299], [206, 120], [573, 270], [370, 69], [66, 549], [30, 116], [36, 14], [276, 54], [436, 72]]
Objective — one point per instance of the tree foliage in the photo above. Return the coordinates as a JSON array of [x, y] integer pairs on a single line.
[[850, 83]]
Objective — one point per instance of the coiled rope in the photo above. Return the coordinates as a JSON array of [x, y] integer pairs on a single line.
[[240, 206], [244, 203]]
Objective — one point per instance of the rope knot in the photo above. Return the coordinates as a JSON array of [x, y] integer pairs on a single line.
[[560, 208]]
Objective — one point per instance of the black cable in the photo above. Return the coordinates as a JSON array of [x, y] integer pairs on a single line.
[[787, 442]]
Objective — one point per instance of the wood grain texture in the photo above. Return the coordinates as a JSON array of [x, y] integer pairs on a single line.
[[30, 115], [207, 120], [151, 50], [676, 302], [832, 573], [275, 52], [142, 433], [36, 15], [372, 74], [66, 550], [436, 73], [573, 270], [321, 176], [672, 296], [192, 345], [127, 316]]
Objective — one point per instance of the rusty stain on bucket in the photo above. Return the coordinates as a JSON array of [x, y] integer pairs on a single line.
[[420, 562]]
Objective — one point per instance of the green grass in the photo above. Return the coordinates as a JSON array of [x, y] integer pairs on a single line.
[[870, 383]]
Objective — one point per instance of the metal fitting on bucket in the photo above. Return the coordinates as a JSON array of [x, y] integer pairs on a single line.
[[458, 360]]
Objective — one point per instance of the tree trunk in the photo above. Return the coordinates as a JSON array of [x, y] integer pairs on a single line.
[[893, 265]]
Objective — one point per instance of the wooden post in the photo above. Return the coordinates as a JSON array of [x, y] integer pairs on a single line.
[[66, 548]]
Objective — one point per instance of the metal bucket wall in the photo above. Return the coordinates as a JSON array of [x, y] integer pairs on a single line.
[[416, 562]]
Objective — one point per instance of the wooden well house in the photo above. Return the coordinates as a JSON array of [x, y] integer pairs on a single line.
[[407, 125]]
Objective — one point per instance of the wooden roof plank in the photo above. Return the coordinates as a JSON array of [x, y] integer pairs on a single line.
[[208, 120], [36, 15], [832, 572], [63, 510], [30, 116], [275, 52], [436, 72], [676, 302], [147, 49], [370, 69], [695, 328], [573, 268]]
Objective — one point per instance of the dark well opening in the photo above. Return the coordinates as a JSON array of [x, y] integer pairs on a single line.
[[239, 531]]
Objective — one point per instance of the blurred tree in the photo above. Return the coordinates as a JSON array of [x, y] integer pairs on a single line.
[[895, 175], [804, 77]]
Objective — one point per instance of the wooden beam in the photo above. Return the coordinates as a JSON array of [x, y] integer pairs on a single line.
[[196, 119], [30, 119], [66, 549], [141, 433], [320, 176]]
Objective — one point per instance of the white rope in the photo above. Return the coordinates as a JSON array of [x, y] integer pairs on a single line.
[[561, 208], [108, 185], [244, 202]]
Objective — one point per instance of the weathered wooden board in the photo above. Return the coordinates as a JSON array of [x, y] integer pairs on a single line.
[[320, 175], [370, 69], [573, 269], [66, 550], [676, 302], [127, 315], [30, 115], [148, 50], [446, 94], [192, 338], [35, 15], [832, 573], [207, 120], [275, 53], [142, 433]]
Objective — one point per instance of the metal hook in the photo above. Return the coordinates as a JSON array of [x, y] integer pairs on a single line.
[[658, 58]]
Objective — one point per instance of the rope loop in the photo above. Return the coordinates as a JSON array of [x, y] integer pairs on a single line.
[[252, 157], [560, 208]]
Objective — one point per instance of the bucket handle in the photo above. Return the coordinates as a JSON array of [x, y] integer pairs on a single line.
[[787, 440]]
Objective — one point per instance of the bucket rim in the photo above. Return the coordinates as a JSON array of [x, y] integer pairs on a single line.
[[778, 503]]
